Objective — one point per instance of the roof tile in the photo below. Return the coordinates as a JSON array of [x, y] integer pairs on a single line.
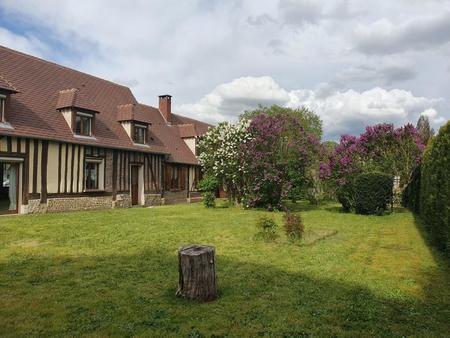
[[45, 86]]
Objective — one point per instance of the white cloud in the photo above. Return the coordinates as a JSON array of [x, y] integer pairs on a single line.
[[350, 111], [386, 73], [384, 37], [433, 115], [228, 100], [27, 44], [342, 112], [186, 48]]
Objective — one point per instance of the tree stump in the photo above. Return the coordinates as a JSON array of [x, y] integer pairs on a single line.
[[197, 273]]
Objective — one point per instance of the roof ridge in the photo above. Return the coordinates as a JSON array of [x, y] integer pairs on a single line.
[[61, 66], [190, 118], [146, 105]]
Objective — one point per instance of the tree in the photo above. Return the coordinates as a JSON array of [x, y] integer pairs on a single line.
[[424, 129], [309, 121], [277, 157], [380, 148], [306, 183], [435, 188], [220, 156]]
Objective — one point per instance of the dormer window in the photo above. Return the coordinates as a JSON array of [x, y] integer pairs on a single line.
[[78, 110], [83, 124], [2, 108], [139, 134]]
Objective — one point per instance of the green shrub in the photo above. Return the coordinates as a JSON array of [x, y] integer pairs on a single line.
[[346, 196], [209, 199], [411, 193], [208, 186], [293, 226], [435, 188], [373, 193], [267, 228]]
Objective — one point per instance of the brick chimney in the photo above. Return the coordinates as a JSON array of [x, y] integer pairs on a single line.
[[165, 106]]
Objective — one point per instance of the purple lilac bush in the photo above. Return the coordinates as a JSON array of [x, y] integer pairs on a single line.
[[396, 151], [276, 158]]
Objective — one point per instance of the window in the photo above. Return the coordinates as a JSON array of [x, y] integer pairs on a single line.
[[2, 108], [83, 124], [174, 181], [139, 134], [91, 175]]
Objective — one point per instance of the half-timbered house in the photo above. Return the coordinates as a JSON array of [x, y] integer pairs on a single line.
[[72, 141]]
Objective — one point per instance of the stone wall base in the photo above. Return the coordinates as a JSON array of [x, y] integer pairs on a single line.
[[122, 201], [153, 200], [86, 203]]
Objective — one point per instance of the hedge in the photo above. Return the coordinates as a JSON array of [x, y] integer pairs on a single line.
[[346, 196], [435, 188], [373, 193], [411, 193]]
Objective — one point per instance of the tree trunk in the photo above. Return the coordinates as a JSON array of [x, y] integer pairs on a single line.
[[197, 273]]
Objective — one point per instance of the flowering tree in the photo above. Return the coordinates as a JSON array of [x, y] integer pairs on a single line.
[[276, 158], [380, 148], [310, 121], [220, 156]]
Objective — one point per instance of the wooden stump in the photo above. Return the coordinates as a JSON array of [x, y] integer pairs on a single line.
[[197, 273]]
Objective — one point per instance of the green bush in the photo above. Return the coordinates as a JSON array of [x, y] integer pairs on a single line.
[[411, 193], [208, 186], [373, 193], [435, 188], [346, 196], [267, 228], [293, 226], [209, 199]]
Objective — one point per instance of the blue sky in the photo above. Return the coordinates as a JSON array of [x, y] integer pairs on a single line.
[[353, 62]]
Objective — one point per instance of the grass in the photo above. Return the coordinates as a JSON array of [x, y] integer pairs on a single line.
[[114, 273]]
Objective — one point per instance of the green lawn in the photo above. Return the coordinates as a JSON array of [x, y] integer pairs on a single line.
[[114, 273]]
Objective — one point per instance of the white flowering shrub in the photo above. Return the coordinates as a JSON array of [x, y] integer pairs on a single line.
[[220, 156]]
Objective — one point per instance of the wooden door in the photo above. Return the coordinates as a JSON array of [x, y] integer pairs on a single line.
[[134, 185]]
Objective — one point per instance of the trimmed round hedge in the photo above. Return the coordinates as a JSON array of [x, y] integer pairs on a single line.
[[373, 193]]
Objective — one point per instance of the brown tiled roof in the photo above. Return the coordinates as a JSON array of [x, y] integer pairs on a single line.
[[44, 86], [132, 112], [74, 98], [201, 128], [187, 130], [162, 133], [5, 84]]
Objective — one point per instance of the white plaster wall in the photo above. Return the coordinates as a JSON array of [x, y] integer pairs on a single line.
[[127, 127], [67, 113], [190, 142], [52, 168]]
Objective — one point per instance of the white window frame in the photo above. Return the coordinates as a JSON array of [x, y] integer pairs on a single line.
[[141, 126], [100, 174], [91, 116]]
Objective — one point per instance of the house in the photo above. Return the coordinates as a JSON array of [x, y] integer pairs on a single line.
[[72, 141]]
